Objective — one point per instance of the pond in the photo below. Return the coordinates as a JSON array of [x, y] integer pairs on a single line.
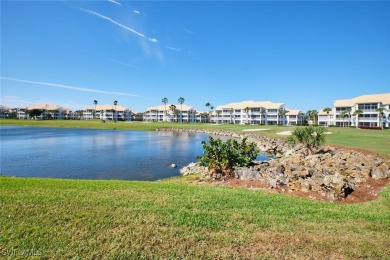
[[96, 154]]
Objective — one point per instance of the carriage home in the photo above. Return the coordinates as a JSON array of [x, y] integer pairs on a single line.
[[171, 113], [294, 117], [108, 112], [5, 111], [47, 111], [372, 111], [326, 118], [250, 112]]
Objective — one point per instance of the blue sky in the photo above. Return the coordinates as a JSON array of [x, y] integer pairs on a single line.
[[305, 54]]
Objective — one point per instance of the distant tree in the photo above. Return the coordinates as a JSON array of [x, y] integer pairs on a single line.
[[327, 111], [102, 115], [343, 115], [312, 115], [247, 109], [165, 101], [281, 115], [357, 113], [348, 111], [173, 109], [231, 110], [310, 136], [95, 102], [381, 113], [114, 114], [211, 112], [262, 113], [208, 105], [181, 101], [218, 112], [34, 113]]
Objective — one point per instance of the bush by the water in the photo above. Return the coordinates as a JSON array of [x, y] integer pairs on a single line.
[[221, 157]]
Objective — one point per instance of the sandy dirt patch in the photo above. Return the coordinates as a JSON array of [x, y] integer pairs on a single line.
[[284, 133], [257, 129]]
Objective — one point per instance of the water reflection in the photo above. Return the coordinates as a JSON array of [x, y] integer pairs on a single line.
[[95, 154]]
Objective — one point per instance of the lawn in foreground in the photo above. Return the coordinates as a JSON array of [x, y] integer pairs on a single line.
[[377, 141], [126, 219]]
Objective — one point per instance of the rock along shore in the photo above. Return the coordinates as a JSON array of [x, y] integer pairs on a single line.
[[334, 173]]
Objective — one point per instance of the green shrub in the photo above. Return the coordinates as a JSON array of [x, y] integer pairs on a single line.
[[310, 136], [221, 157]]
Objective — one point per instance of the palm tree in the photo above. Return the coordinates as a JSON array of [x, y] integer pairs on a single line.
[[218, 112], [165, 101], [247, 109], [231, 114], [102, 115], [327, 111], [173, 109], [301, 117], [312, 115], [95, 102], [381, 112], [281, 114], [181, 101], [211, 112], [343, 115], [357, 113], [115, 103], [262, 113], [348, 111]]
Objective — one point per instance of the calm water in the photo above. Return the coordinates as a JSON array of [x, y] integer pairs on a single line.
[[95, 154]]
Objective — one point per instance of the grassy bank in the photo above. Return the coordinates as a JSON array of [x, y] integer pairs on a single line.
[[58, 219], [377, 141]]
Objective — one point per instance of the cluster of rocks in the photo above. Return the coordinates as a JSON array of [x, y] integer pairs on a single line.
[[335, 173]]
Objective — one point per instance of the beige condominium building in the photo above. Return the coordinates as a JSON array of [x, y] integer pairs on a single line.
[[362, 111], [48, 111], [170, 113], [108, 112], [253, 112]]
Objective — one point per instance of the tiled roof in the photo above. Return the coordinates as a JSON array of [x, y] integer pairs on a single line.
[[376, 98], [322, 113], [106, 107], [292, 112], [251, 104], [45, 107], [178, 106]]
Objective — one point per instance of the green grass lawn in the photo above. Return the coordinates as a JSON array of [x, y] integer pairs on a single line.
[[58, 219], [377, 141], [171, 219]]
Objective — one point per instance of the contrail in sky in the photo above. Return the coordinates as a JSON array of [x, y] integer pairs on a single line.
[[55, 85], [114, 2], [120, 25]]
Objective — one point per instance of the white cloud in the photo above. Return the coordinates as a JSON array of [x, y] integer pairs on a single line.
[[173, 48], [114, 2], [153, 40], [124, 63], [55, 85], [188, 31], [136, 11]]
